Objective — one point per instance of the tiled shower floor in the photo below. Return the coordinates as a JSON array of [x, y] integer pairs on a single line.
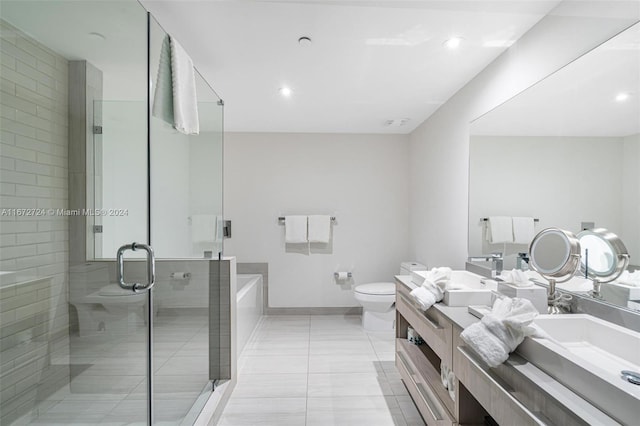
[[318, 370], [108, 383]]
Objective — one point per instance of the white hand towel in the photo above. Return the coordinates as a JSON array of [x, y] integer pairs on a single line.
[[516, 277], [319, 229], [433, 287], [185, 102], [163, 93], [423, 297], [523, 230], [295, 229], [203, 228], [500, 230], [501, 331]]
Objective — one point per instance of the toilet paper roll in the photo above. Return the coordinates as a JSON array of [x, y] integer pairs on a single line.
[[181, 275], [341, 276]]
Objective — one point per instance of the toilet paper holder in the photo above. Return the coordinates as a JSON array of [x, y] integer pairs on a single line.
[[341, 276]]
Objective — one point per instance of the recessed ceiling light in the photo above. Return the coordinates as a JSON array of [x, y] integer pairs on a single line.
[[304, 41], [621, 97], [286, 91], [453, 42]]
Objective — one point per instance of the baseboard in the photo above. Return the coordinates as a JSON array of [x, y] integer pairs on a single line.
[[329, 310]]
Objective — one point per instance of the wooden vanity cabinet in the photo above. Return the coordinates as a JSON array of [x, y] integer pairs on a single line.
[[419, 365]]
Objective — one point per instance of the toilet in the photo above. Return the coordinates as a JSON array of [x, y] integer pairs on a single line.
[[378, 300], [111, 309]]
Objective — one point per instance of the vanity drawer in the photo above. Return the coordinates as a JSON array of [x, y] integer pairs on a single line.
[[427, 401], [432, 326], [490, 393]]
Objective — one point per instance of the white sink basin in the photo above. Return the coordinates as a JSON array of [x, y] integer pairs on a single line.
[[587, 354], [465, 288]]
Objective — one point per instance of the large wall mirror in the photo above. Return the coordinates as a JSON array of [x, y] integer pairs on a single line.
[[566, 152]]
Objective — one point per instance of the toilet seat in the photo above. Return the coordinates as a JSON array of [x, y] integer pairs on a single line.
[[376, 289]]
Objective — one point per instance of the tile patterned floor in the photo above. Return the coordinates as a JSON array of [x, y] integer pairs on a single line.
[[108, 385], [319, 370]]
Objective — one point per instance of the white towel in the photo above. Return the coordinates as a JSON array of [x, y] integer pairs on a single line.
[[203, 228], [163, 93], [319, 229], [523, 230], [185, 102], [432, 289], [219, 228], [498, 333], [500, 230], [516, 277], [295, 229]]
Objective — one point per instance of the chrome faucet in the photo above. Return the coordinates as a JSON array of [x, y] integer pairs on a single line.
[[495, 257]]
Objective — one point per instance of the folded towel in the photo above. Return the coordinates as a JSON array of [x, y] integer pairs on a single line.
[[502, 330], [163, 93], [433, 287], [423, 297], [523, 230], [203, 228], [185, 102], [319, 229], [500, 230], [630, 278], [516, 277], [295, 229]]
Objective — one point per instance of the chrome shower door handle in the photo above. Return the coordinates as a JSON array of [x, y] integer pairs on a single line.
[[151, 267]]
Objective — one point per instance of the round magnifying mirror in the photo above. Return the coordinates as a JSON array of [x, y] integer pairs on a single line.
[[555, 253], [603, 255]]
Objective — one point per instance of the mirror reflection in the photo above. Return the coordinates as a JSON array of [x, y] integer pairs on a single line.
[[565, 152]]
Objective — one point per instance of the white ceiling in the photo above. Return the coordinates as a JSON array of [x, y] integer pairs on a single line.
[[370, 61], [579, 99]]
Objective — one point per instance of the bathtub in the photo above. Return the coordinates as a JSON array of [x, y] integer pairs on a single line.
[[249, 308]]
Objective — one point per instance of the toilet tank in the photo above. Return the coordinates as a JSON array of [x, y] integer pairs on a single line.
[[407, 267]]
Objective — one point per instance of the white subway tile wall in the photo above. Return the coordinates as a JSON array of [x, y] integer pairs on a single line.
[[33, 175]]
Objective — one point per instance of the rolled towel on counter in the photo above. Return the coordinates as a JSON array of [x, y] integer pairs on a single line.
[[433, 287], [501, 331], [423, 297], [516, 277]]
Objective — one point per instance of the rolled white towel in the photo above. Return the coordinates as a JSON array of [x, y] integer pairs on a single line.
[[501, 331], [423, 297], [516, 277]]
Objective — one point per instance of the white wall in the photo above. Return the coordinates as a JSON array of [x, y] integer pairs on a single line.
[[631, 197], [360, 179], [439, 148], [563, 181]]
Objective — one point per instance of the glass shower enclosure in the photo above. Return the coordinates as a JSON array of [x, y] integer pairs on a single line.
[[86, 169]]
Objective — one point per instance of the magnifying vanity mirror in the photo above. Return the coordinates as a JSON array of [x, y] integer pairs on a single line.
[[603, 257], [555, 255]]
